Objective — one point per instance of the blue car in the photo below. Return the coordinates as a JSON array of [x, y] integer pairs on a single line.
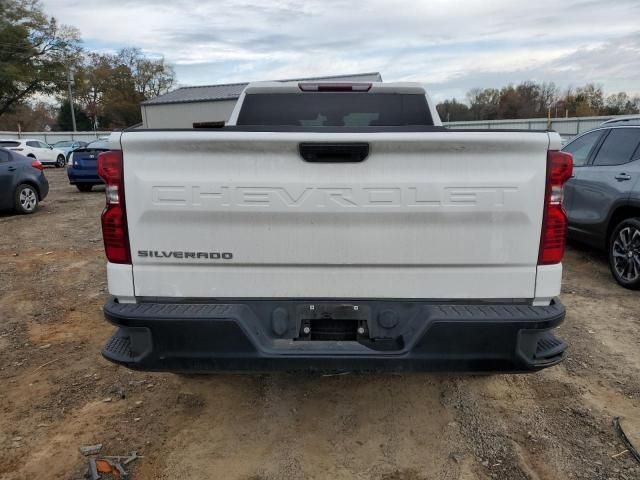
[[83, 165]]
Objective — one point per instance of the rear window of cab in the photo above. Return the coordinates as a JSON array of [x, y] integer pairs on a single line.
[[334, 109]]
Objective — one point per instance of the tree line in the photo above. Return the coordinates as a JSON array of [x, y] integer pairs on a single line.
[[38, 59], [534, 100]]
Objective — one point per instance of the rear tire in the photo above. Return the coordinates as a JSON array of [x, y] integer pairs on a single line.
[[26, 199], [60, 161], [624, 253], [84, 187]]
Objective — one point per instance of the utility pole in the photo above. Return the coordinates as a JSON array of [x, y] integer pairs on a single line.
[[73, 113]]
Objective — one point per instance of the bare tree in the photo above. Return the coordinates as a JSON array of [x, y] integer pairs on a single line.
[[151, 77]]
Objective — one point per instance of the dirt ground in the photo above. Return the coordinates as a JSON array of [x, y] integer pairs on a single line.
[[57, 393]]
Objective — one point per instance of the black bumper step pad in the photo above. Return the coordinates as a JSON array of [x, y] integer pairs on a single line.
[[119, 347], [549, 346]]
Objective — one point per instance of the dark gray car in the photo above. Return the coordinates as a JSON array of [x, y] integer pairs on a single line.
[[22, 182], [602, 199]]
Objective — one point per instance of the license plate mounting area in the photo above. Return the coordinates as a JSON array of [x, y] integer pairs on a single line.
[[333, 322]]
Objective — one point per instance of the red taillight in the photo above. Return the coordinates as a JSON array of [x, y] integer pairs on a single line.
[[37, 164], [334, 87], [554, 220], [114, 218], [110, 167]]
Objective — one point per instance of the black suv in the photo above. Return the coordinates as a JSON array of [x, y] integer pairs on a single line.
[[602, 198]]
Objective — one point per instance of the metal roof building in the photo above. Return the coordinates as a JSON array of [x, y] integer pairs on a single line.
[[185, 106]]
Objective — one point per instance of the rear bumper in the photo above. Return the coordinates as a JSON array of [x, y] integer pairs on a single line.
[[43, 186], [83, 176], [409, 335]]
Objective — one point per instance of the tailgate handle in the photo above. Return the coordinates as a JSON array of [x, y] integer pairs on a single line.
[[334, 152]]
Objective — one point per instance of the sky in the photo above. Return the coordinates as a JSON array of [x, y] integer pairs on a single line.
[[450, 46]]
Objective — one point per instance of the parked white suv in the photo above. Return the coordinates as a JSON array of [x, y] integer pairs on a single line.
[[37, 149]]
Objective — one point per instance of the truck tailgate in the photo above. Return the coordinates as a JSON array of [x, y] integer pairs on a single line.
[[432, 215]]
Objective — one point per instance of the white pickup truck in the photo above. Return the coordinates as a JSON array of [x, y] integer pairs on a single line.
[[334, 226]]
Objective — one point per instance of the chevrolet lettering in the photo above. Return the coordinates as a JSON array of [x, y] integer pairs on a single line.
[[425, 196]]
